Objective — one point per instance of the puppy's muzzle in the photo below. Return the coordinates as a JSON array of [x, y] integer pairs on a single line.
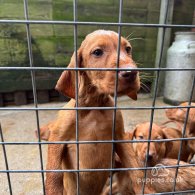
[[150, 157], [129, 75]]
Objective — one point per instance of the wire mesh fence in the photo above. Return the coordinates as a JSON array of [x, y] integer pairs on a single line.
[[36, 108]]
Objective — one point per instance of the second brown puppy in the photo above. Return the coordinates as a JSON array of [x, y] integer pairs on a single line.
[[159, 150], [160, 154]]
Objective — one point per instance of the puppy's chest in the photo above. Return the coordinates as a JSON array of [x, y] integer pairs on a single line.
[[97, 125]]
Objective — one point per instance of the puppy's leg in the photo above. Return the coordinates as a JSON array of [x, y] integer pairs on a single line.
[[115, 189], [54, 180], [128, 159]]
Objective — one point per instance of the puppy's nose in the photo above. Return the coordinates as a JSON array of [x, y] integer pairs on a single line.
[[150, 157], [129, 75]]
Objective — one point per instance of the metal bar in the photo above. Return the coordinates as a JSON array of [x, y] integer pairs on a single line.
[[96, 108], [29, 42], [96, 23], [33, 69], [155, 94], [93, 170], [76, 91], [6, 161], [178, 192], [95, 69], [99, 141], [115, 93], [184, 131]]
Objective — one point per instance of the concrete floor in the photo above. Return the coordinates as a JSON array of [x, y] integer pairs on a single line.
[[19, 126]]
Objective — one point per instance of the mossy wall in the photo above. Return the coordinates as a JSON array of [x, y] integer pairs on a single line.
[[53, 44]]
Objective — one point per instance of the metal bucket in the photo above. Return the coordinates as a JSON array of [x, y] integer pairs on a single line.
[[181, 54]]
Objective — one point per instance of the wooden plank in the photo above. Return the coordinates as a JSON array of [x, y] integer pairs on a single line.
[[20, 98], [43, 96], [8, 97], [1, 100]]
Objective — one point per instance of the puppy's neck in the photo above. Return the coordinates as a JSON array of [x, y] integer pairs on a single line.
[[91, 98], [89, 95]]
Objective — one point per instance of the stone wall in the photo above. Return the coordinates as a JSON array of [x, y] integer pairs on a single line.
[[53, 44]]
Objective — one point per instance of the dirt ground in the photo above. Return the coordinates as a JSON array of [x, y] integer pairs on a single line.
[[19, 126]]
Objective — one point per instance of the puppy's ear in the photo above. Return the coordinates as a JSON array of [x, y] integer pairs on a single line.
[[168, 145], [133, 138], [66, 82], [192, 127], [133, 95], [132, 135]]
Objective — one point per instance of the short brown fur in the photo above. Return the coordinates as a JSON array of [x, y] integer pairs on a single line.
[[95, 88], [159, 150]]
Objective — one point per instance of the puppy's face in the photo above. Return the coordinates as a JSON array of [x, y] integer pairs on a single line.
[[99, 50], [157, 149]]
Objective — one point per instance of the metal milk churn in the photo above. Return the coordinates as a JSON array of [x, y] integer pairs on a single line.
[[181, 54]]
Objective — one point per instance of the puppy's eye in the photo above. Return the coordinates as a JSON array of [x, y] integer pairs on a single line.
[[98, 52], [128, 49], [140, 137]]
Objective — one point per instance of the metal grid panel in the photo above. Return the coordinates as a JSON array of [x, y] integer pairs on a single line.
[[36, 108]]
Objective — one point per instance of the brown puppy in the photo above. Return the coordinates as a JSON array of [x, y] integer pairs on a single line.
[[158, 150], [191, 143], [98, 50], [179, 114], [160, 178], [186, 152]]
